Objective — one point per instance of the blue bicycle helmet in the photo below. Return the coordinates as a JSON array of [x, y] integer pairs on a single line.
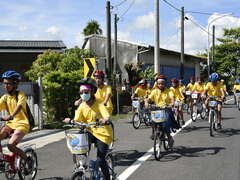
[[238, 81], [11, 75], [214, 77]]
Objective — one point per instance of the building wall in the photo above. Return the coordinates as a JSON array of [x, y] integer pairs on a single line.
[[128, 53], [20, 62]]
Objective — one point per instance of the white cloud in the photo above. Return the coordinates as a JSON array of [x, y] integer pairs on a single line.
[[79, 39], [145, 21], [54, 32]]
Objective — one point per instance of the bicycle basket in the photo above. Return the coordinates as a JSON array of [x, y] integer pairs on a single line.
[[194, 95], [159, 116], [212, 103], [135, 104], [77, 142], [188, 93]]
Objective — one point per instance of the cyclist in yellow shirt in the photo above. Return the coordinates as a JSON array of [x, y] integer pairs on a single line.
[[236, 89], [198, 86], [142, 90], [190, 84], [17, 125], [92, 110], [189, 90], [162, 97], [178, 97], [214, 88], [224, 87], [104, 92]]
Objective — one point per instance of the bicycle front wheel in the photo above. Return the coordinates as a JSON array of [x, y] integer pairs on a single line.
[[211, 120], [110, 163], [78, 175], [157, 146], [194, 113], [30, 171], [136, 121]]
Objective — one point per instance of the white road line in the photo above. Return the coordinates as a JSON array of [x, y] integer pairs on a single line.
[[42, 141], [125, 174]]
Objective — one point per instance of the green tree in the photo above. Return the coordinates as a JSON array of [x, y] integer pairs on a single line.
[[227, 54], [61, 74], [92, 27]]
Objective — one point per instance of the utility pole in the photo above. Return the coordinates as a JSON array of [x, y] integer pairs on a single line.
[[213, 47], [115, 59], [108, 43], [182, 45], [157, 41]]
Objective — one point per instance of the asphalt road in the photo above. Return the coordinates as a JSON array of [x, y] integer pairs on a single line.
[[196, 155]]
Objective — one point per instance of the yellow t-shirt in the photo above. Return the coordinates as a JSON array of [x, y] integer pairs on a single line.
[[88, 114], [199, 88], [101, 95], [190, 87], [214, 90], [161, 98], [236, 87], [177, 93], [9, 103], [182, 88], [140, 92]]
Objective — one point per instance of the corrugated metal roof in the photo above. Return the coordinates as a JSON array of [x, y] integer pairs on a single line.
[[31, 44]]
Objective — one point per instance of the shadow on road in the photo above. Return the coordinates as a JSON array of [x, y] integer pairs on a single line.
[[126, 157], [181, 151], [227, 133], [194, 128]]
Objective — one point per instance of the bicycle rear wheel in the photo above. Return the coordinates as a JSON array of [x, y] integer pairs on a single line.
[[165, 142], [157, 146], [136, 121]]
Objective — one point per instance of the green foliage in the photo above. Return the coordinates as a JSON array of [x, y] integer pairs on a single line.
[[227, 55], [92, 27], [61, 74]]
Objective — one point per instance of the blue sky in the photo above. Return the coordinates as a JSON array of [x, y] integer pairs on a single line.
[[65, 20]]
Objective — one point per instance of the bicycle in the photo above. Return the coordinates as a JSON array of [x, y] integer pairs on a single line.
[[187, 106], [12, 164], [177, 105], [212, 113], [140, 115], [198, 108], [158, 116], [78, 145]]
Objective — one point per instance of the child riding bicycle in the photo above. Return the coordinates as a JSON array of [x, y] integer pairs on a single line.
[[17, 124], [92, 110]]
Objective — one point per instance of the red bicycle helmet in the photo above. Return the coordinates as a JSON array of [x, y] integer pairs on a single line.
[[98, 73]]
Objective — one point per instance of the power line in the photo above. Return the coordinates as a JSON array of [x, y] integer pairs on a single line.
[[197, 12], [123, 14], [119, 4], [172, 5]]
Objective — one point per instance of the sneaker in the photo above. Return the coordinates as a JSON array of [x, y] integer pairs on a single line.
[[219, 126], [28, 165], [183, 122]]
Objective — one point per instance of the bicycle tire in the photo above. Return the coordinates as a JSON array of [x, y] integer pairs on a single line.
[[165, 142], [194, 113], [33, 172], [238, 104], [8, 172], [211, 120], [78, 175], [136, 121], [110, 161], [203, 113], [157, 146]]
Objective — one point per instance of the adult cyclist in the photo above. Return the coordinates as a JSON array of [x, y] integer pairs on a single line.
[[17, 124], [214, 88], [93, 110], [162, 97]]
